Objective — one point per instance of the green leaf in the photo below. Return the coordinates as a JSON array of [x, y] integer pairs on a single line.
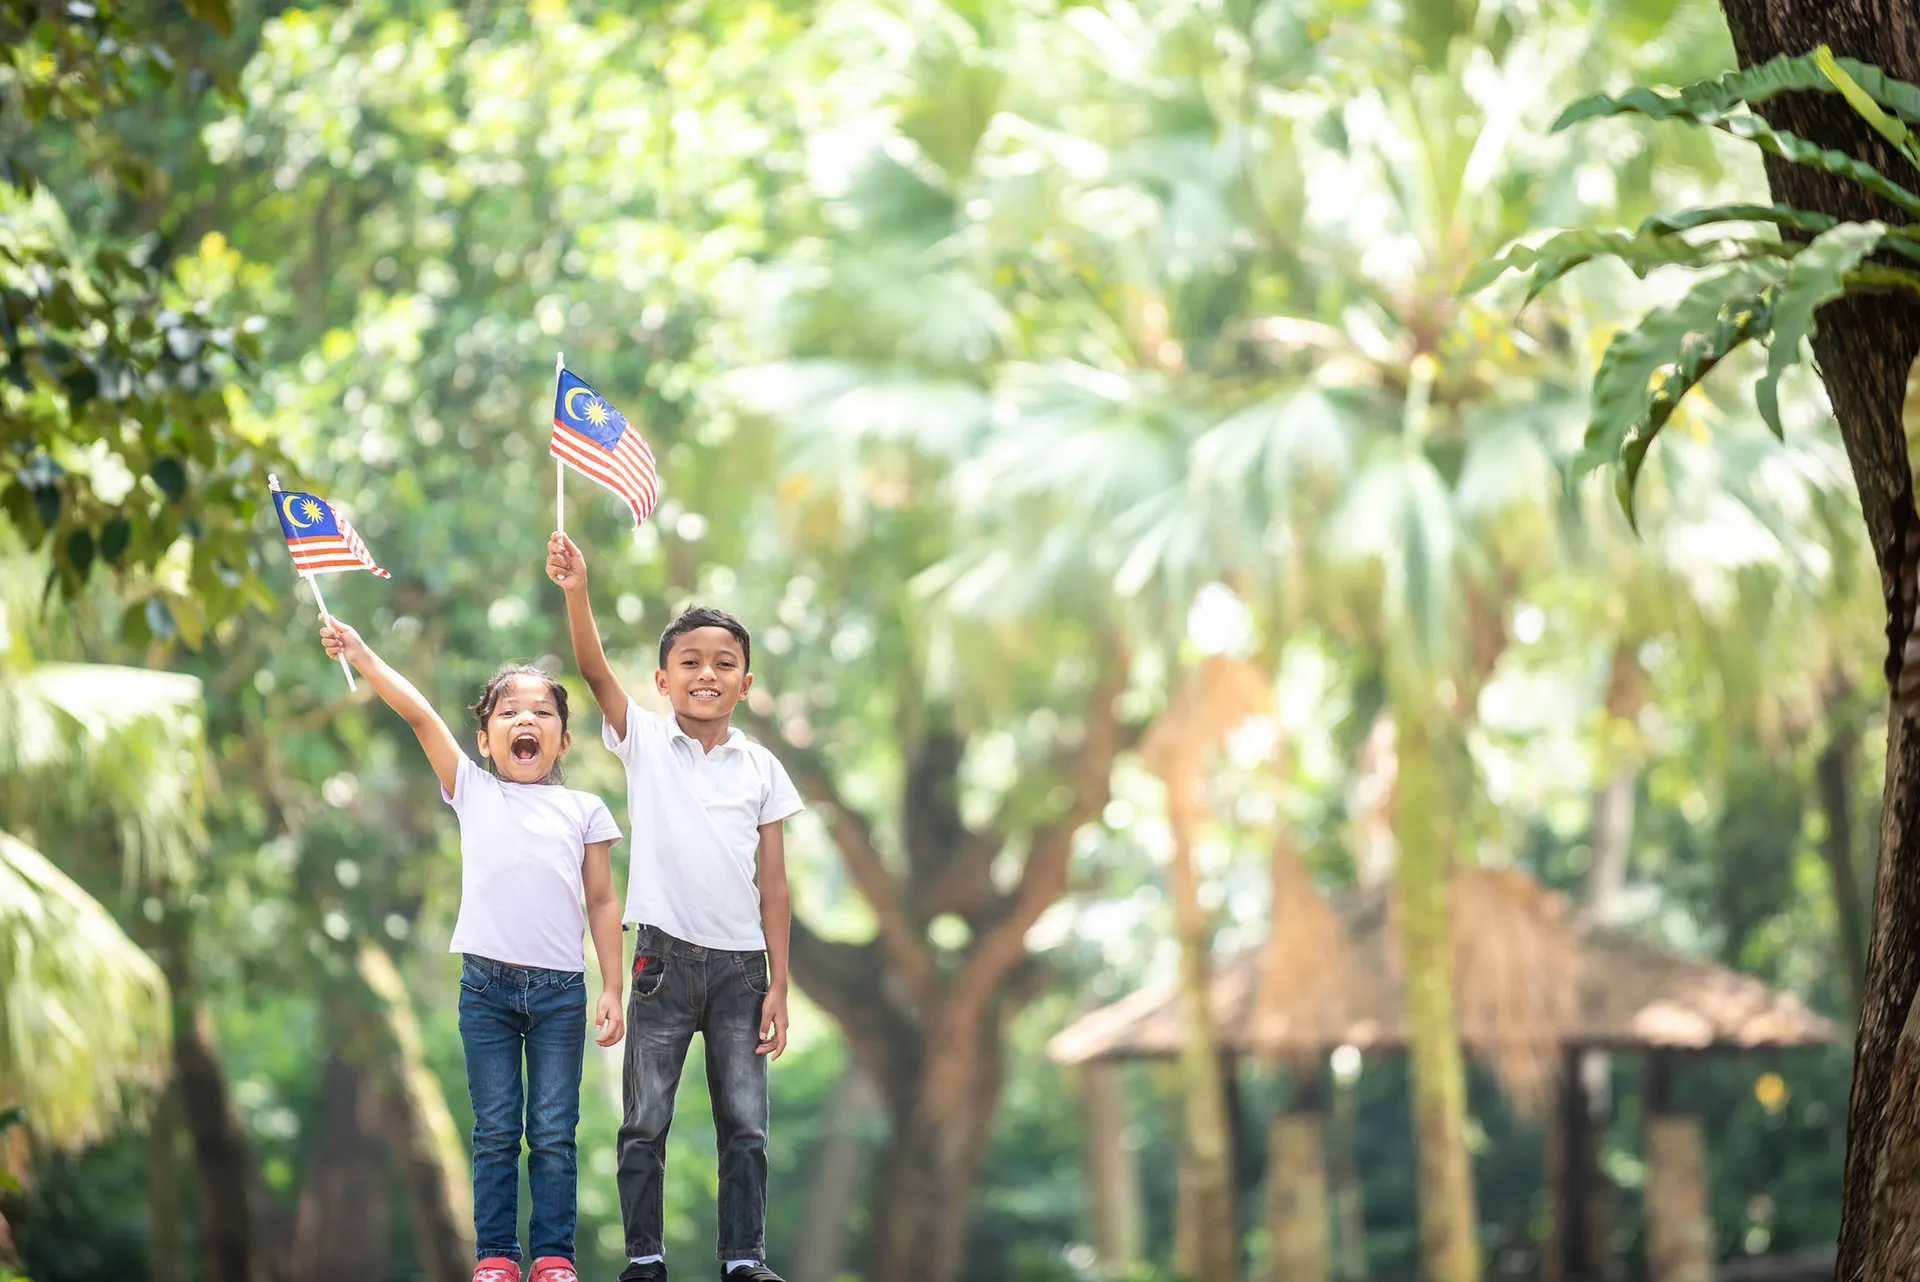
[[1817, 277], [170, 476], [1789, 146], [1863, 104], [1706, 101], [1778, 215], [1735, 323], [1564, 251], [1629, 405]]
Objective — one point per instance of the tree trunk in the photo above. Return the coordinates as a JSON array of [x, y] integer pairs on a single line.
[[435, 1172], [341, 1227], [1449, 1226], [164, 1260], [837, 1180], [1865, 349], [1610, 847], [1113, 1178], [1679, 1242], [940, 1133], [1835, 772], [237, 1238], [1296, 1200], [1214, 1234]]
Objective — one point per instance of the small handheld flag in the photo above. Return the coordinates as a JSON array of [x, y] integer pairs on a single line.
[[595, 439], [322, 542], [320, 539]]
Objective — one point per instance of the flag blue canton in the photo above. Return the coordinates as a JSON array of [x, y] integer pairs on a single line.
[[304, 516], [578, 406]]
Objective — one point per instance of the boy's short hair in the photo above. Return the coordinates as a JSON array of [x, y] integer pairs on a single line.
[[705, 616]]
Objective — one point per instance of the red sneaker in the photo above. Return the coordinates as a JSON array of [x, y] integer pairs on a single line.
[[497, 1268], [554, 1268]]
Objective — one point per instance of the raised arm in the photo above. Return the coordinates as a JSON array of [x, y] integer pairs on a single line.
[[567, 566], [428, 728]]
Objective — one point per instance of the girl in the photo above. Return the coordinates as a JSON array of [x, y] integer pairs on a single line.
[[529, 851]]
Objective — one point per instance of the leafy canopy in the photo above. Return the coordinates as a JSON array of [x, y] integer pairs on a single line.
[[1762, 288]]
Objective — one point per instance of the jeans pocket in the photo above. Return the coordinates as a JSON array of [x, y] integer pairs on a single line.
[[473, 979], [649, 972], [753, 969]]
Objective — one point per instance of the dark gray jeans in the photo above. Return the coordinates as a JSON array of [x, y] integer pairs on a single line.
[[680, 989]]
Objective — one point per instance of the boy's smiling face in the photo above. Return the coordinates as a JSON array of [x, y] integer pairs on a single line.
[[522, 736], [706, 675]]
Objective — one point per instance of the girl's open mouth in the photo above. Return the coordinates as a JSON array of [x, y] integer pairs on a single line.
[[526, 748]]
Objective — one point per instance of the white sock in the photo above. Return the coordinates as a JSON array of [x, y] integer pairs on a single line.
[[648, 1259]]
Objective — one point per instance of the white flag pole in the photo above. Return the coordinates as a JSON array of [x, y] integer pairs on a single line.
[[559, 468], [313, 581]]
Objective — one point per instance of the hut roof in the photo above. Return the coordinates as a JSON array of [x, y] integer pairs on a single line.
[[1632, 995]]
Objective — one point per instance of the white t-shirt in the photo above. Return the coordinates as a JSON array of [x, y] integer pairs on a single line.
[[696, 819], [521, 847]]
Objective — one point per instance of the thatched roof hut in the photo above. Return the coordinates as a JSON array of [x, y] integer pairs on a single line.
[[1631, 996]]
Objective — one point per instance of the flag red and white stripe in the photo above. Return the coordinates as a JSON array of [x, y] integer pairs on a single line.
[[330, 554], [627, 469]]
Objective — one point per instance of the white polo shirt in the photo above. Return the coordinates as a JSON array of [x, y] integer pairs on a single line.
[[521, 850], [696, 819]]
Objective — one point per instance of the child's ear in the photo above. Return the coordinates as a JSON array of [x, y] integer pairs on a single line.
[[481, 736], [660, 680], [566, 741], [746, 683]]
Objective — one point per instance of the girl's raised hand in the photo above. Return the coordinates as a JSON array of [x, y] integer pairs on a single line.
[[566, 564], [338, 639]]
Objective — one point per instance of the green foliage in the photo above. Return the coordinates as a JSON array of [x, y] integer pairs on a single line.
[[1760, 291], [117, 443], [1708, 101], [1817, 276]]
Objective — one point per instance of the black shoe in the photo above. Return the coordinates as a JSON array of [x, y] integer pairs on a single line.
[[654, 1272], [750, 1273]]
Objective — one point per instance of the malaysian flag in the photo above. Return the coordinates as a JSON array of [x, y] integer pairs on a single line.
[[595, 439], [321, 540]]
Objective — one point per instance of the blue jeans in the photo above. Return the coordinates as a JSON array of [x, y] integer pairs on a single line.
[[680, 989], [507, 1012]]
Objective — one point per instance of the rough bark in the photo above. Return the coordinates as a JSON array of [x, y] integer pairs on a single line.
[[1835, 772], [340, 1229], [1865, 349], [1113, 1177], [434, 1171], [1296, 1200], [1449, 1237], [837, 1179]]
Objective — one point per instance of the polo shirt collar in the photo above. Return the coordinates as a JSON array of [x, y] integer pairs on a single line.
[[733, 740]]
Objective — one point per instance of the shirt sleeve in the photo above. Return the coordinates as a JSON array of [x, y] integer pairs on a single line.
[[462, 784], [639, 724], [782, 799], [599, 824]]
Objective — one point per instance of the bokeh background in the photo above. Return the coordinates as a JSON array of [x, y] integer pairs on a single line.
[[1150, 556]]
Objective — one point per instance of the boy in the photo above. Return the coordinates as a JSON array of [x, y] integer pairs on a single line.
[[706, 808]]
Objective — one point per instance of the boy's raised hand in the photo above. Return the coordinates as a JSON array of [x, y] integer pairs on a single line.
[[337, 639], [566, 564]]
